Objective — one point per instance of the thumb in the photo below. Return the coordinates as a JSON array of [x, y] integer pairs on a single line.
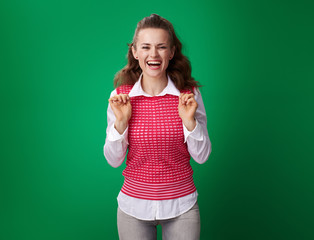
[[180, 101]]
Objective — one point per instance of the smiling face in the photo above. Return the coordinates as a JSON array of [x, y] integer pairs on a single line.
[[153, 51]]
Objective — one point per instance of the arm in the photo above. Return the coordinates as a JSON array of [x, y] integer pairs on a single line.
[[116, 144], [199, 145]]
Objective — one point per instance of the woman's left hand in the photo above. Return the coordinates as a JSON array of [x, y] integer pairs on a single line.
[[187, 108]]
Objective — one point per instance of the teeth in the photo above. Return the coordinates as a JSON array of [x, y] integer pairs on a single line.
[[153, 62]]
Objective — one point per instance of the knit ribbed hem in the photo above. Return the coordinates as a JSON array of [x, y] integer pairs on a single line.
[[158, 191]]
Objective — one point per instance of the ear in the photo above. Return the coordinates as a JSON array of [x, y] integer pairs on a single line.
[[134, 52]]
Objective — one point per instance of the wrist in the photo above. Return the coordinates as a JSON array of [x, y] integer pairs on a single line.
[[120, 126], [190, 124]]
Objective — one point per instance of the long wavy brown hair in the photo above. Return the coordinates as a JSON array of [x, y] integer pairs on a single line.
[[179, 68]]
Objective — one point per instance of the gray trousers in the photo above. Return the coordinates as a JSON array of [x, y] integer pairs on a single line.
[[183, 227]]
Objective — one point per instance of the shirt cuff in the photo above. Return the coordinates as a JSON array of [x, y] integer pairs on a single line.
[[196, 133], [114, 135]]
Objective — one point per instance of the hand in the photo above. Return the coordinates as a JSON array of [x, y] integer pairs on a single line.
[[122, 110], [187, 108]]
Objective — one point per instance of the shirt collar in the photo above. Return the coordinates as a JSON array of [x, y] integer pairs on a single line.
[[137, 89]]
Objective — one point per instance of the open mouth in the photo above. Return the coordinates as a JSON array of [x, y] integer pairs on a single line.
[[154, 63]]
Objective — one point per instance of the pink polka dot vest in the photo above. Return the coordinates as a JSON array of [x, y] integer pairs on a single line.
[[158, 162]]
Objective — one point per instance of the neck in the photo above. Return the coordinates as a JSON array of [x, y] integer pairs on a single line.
[[154, 86]]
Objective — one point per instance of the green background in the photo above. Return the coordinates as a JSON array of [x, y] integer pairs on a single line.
[[256, 62]]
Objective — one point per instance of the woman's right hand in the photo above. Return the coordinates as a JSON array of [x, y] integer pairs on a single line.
[[122, 110]]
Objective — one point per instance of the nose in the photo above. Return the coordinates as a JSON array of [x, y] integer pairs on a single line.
[[153, 52]]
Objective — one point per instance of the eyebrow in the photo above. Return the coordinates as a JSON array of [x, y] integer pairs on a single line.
[[157, 44]]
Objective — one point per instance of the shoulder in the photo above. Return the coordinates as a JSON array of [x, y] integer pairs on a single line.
[[195, 90], [124, 89], [185, 91]]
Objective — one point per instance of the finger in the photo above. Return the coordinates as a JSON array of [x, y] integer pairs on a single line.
[[180, 98], [120, 98], [190, 95], [112, 99], [190, 101], [113, 103], [117, 97], [116, 100], [183, 98], [125, 98], [187, 96]]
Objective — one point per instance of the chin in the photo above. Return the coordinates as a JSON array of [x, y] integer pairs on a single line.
[[155, 74]]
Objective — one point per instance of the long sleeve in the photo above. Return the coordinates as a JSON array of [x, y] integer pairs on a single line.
[[199, 145], [198, 142], [116, 144]]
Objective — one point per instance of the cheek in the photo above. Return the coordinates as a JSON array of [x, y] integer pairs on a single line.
[[166, 64], [166, 56], [166, 60], [142, 60], [142, 56]]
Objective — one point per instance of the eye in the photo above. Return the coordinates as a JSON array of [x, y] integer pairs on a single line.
[[163, 47], [144, 47]]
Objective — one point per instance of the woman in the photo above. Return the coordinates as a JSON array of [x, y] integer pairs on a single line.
[[156, 113]]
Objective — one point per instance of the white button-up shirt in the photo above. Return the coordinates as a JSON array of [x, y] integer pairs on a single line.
[[199, 147]]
